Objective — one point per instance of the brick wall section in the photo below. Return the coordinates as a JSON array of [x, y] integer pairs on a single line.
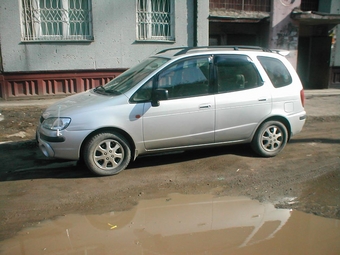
[[242, 5], [32, 86]]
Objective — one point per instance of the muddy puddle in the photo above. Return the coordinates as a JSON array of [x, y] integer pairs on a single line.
[[183, 224]]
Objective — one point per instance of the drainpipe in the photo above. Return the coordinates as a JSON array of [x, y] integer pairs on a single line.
[[195, 16], [3, 94], [1, 66]]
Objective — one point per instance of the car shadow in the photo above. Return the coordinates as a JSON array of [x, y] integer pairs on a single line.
[[184, 156], [67, 170], [24, 161]]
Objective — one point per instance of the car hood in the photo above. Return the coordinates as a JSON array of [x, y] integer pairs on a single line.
[[85, 101]]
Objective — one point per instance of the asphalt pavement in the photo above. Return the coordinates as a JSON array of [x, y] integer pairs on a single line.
[[323, 102]]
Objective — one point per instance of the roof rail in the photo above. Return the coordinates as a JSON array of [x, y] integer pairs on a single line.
[[184, 50], [175, 48], [281, 52]]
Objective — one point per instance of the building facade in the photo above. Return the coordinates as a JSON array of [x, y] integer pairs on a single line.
[[307, 28], [62, 47]]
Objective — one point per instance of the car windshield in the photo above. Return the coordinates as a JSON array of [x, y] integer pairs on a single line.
[[131, 77]]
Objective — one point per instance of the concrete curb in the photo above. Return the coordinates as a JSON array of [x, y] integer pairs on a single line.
[[322, 92]]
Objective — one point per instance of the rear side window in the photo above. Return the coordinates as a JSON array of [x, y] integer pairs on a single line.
[[235, 73], [276, 70]]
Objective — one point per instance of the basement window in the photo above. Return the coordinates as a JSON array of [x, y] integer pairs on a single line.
[[155, 20], [56, 20]]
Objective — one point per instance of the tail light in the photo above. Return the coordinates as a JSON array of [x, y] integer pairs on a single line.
[[302, 97]]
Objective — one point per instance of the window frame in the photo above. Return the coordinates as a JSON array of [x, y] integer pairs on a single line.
[[270, 73], [144, 23], [153, 83], [187, 61], [32, 26], [239, 87]]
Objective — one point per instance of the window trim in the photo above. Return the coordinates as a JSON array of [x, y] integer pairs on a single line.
[[276, 84], [259, 78], [31, 27], [181, 62], [148, 26]]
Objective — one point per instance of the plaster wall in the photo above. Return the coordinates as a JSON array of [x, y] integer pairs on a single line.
[[114, 45], [203, 23], [284, 31], [333, 7]]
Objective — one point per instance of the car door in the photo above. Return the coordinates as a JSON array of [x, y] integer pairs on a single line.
[[187, 118], [242, 101]]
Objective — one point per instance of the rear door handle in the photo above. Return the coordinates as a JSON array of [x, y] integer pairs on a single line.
[[205, 106], [262, 99]]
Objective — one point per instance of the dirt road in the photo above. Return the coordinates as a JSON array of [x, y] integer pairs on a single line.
[[305, 176]]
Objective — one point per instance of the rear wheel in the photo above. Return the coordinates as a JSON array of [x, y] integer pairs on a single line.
[[107, 154], [270, 139]]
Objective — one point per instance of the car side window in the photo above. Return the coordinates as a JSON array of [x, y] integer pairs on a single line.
[[144, 93], [235, 73], [276, 70], [186, 78]]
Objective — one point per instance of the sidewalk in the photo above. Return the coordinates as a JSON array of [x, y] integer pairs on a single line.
[[321, 92], [323, 102], [28, 102]]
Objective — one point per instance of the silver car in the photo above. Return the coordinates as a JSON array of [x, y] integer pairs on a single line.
[[179, 99]]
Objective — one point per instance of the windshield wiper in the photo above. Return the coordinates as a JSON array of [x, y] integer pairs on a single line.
[[101, 89]]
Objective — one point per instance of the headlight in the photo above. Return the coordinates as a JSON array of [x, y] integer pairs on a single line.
[[56, 123]]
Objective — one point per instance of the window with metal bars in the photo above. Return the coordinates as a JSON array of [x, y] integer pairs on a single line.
[[242, 5], [56, 20], [310, 5], [155, 20]]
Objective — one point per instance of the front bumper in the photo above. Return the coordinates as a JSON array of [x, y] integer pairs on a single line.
[[65, 145], [44, 146]]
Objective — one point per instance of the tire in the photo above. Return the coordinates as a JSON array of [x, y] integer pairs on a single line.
[[270, 139], [107, 154]]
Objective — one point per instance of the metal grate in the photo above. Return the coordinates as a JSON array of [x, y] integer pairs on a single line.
[[53, 20], [155, 20], [242, 5]]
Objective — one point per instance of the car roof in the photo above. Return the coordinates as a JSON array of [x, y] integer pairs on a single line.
[[180, 51]]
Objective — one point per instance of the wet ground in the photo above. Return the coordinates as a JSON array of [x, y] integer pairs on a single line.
[[183, 224], [305, 177]]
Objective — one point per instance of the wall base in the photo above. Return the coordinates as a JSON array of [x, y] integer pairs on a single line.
[[51, 84]]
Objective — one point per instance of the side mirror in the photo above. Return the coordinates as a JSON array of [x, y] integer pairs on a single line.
[[158, 95]]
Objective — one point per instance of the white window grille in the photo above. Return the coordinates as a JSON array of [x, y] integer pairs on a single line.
[[56, 20], [155, 20]]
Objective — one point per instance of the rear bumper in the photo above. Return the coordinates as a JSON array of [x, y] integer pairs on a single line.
[[297, 121]]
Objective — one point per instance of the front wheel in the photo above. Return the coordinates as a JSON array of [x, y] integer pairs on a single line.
[[107, 154], [270, 139]]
